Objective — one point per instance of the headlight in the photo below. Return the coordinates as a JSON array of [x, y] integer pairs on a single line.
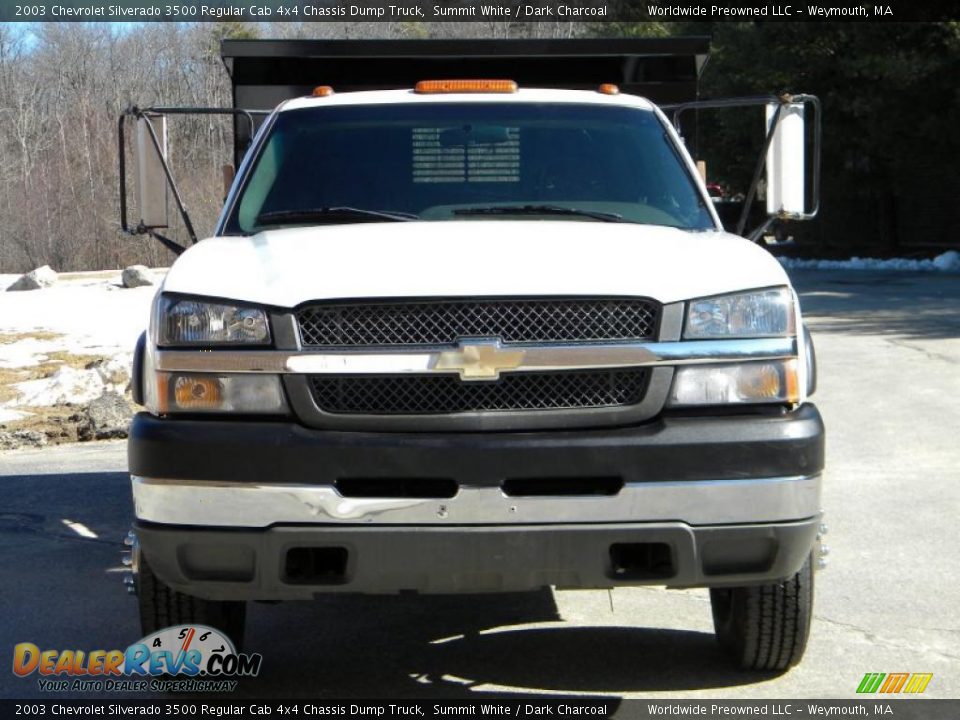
[[206, 393], [761, 313], [193, 322], [768, 381]]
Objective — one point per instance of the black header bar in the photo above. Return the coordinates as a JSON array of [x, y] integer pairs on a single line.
[[473, 10]]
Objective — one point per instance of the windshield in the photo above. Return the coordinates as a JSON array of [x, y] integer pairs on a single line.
[[467, 161]]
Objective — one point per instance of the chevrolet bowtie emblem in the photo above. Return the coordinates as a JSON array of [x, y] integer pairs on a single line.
[[479, 359]]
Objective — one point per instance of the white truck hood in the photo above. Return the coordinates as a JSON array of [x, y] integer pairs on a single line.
[[284, 268]]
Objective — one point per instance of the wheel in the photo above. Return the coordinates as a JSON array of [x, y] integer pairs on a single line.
[[161, 606], [765, 627]]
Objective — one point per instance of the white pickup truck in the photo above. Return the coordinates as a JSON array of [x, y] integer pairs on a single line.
[[467, 337]]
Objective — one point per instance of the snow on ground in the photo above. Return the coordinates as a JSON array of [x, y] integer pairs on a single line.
[[69, 343], [947, 262], [92, 311], [7, 415]]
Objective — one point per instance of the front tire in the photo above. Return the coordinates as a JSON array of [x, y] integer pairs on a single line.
[[765, 627], [161, 606]]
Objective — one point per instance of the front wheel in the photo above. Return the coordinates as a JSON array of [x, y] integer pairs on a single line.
[[161, 606], [765, 627]]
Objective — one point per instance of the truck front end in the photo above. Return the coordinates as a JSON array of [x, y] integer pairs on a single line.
[[471, 338]]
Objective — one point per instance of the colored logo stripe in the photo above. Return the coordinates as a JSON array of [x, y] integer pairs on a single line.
[[870, 682], [894, 683], [918, 682]]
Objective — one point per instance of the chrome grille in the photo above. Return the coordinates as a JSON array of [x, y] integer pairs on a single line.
[[447, 394], [444, 322]]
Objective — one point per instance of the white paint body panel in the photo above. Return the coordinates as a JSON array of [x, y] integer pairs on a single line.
[[406, 97], [472, 258]]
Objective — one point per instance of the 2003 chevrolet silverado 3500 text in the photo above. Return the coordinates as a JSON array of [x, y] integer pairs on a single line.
[[465, 336]]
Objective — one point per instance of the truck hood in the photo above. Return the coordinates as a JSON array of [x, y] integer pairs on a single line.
[[284, 268]]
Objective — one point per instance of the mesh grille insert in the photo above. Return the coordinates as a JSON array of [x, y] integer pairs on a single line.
[[445, 322], [447, 394]]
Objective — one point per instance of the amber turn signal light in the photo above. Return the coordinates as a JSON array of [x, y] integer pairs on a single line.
[[199, 392]]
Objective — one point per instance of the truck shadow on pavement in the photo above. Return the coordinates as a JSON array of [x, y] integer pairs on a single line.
[[468, 647], [64, 590]]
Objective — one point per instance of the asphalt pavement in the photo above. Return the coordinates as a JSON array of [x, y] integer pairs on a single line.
[[889, 356]]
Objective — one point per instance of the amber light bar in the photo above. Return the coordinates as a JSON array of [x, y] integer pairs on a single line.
[[436, 87]]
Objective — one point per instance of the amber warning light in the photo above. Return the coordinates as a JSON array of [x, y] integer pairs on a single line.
[[433, 87]]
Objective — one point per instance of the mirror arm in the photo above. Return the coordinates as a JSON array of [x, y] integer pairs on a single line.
[[122, 170], [171, 245], [757, 233], [188, 224], [758, 171]]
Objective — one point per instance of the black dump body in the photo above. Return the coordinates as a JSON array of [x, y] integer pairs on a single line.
[[266, 72]]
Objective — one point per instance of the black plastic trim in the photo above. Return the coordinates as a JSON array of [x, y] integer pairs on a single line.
[[669, 448], [253, 565], [136, 374]]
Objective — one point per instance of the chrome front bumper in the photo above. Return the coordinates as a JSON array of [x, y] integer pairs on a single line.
[[251, 505]]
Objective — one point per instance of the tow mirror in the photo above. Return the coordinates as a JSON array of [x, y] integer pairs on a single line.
[[784, 156], [786, 160], [150, 153]]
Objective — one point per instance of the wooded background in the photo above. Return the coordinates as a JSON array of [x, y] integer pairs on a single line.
[[890, 94]]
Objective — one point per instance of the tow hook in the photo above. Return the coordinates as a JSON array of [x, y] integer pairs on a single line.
[[822, 550], [131, 561]]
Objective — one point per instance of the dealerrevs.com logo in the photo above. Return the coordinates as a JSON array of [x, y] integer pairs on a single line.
[[188, 658]]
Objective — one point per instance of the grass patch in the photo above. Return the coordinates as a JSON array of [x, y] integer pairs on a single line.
[[8, 378], [10, 338], [56, 360], [55, 422]]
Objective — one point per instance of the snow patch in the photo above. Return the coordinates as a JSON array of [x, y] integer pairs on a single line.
[[66, 385], [947, 262], [84, 314], [8, 415], [69, 385]]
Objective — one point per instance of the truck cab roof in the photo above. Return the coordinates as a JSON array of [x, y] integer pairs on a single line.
[[523, 95]]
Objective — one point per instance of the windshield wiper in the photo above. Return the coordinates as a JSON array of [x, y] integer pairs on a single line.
[[539, 210], [282, 217]]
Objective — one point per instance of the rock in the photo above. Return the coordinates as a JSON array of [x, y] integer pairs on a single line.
[[104, 418], [35, 279], [114, 371], [136, 276], [21, 438]]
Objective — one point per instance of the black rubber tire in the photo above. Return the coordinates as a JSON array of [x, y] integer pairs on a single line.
[[765, 627], [161, 606]]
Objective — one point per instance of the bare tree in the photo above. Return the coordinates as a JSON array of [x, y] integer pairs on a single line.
[[61, 94]]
